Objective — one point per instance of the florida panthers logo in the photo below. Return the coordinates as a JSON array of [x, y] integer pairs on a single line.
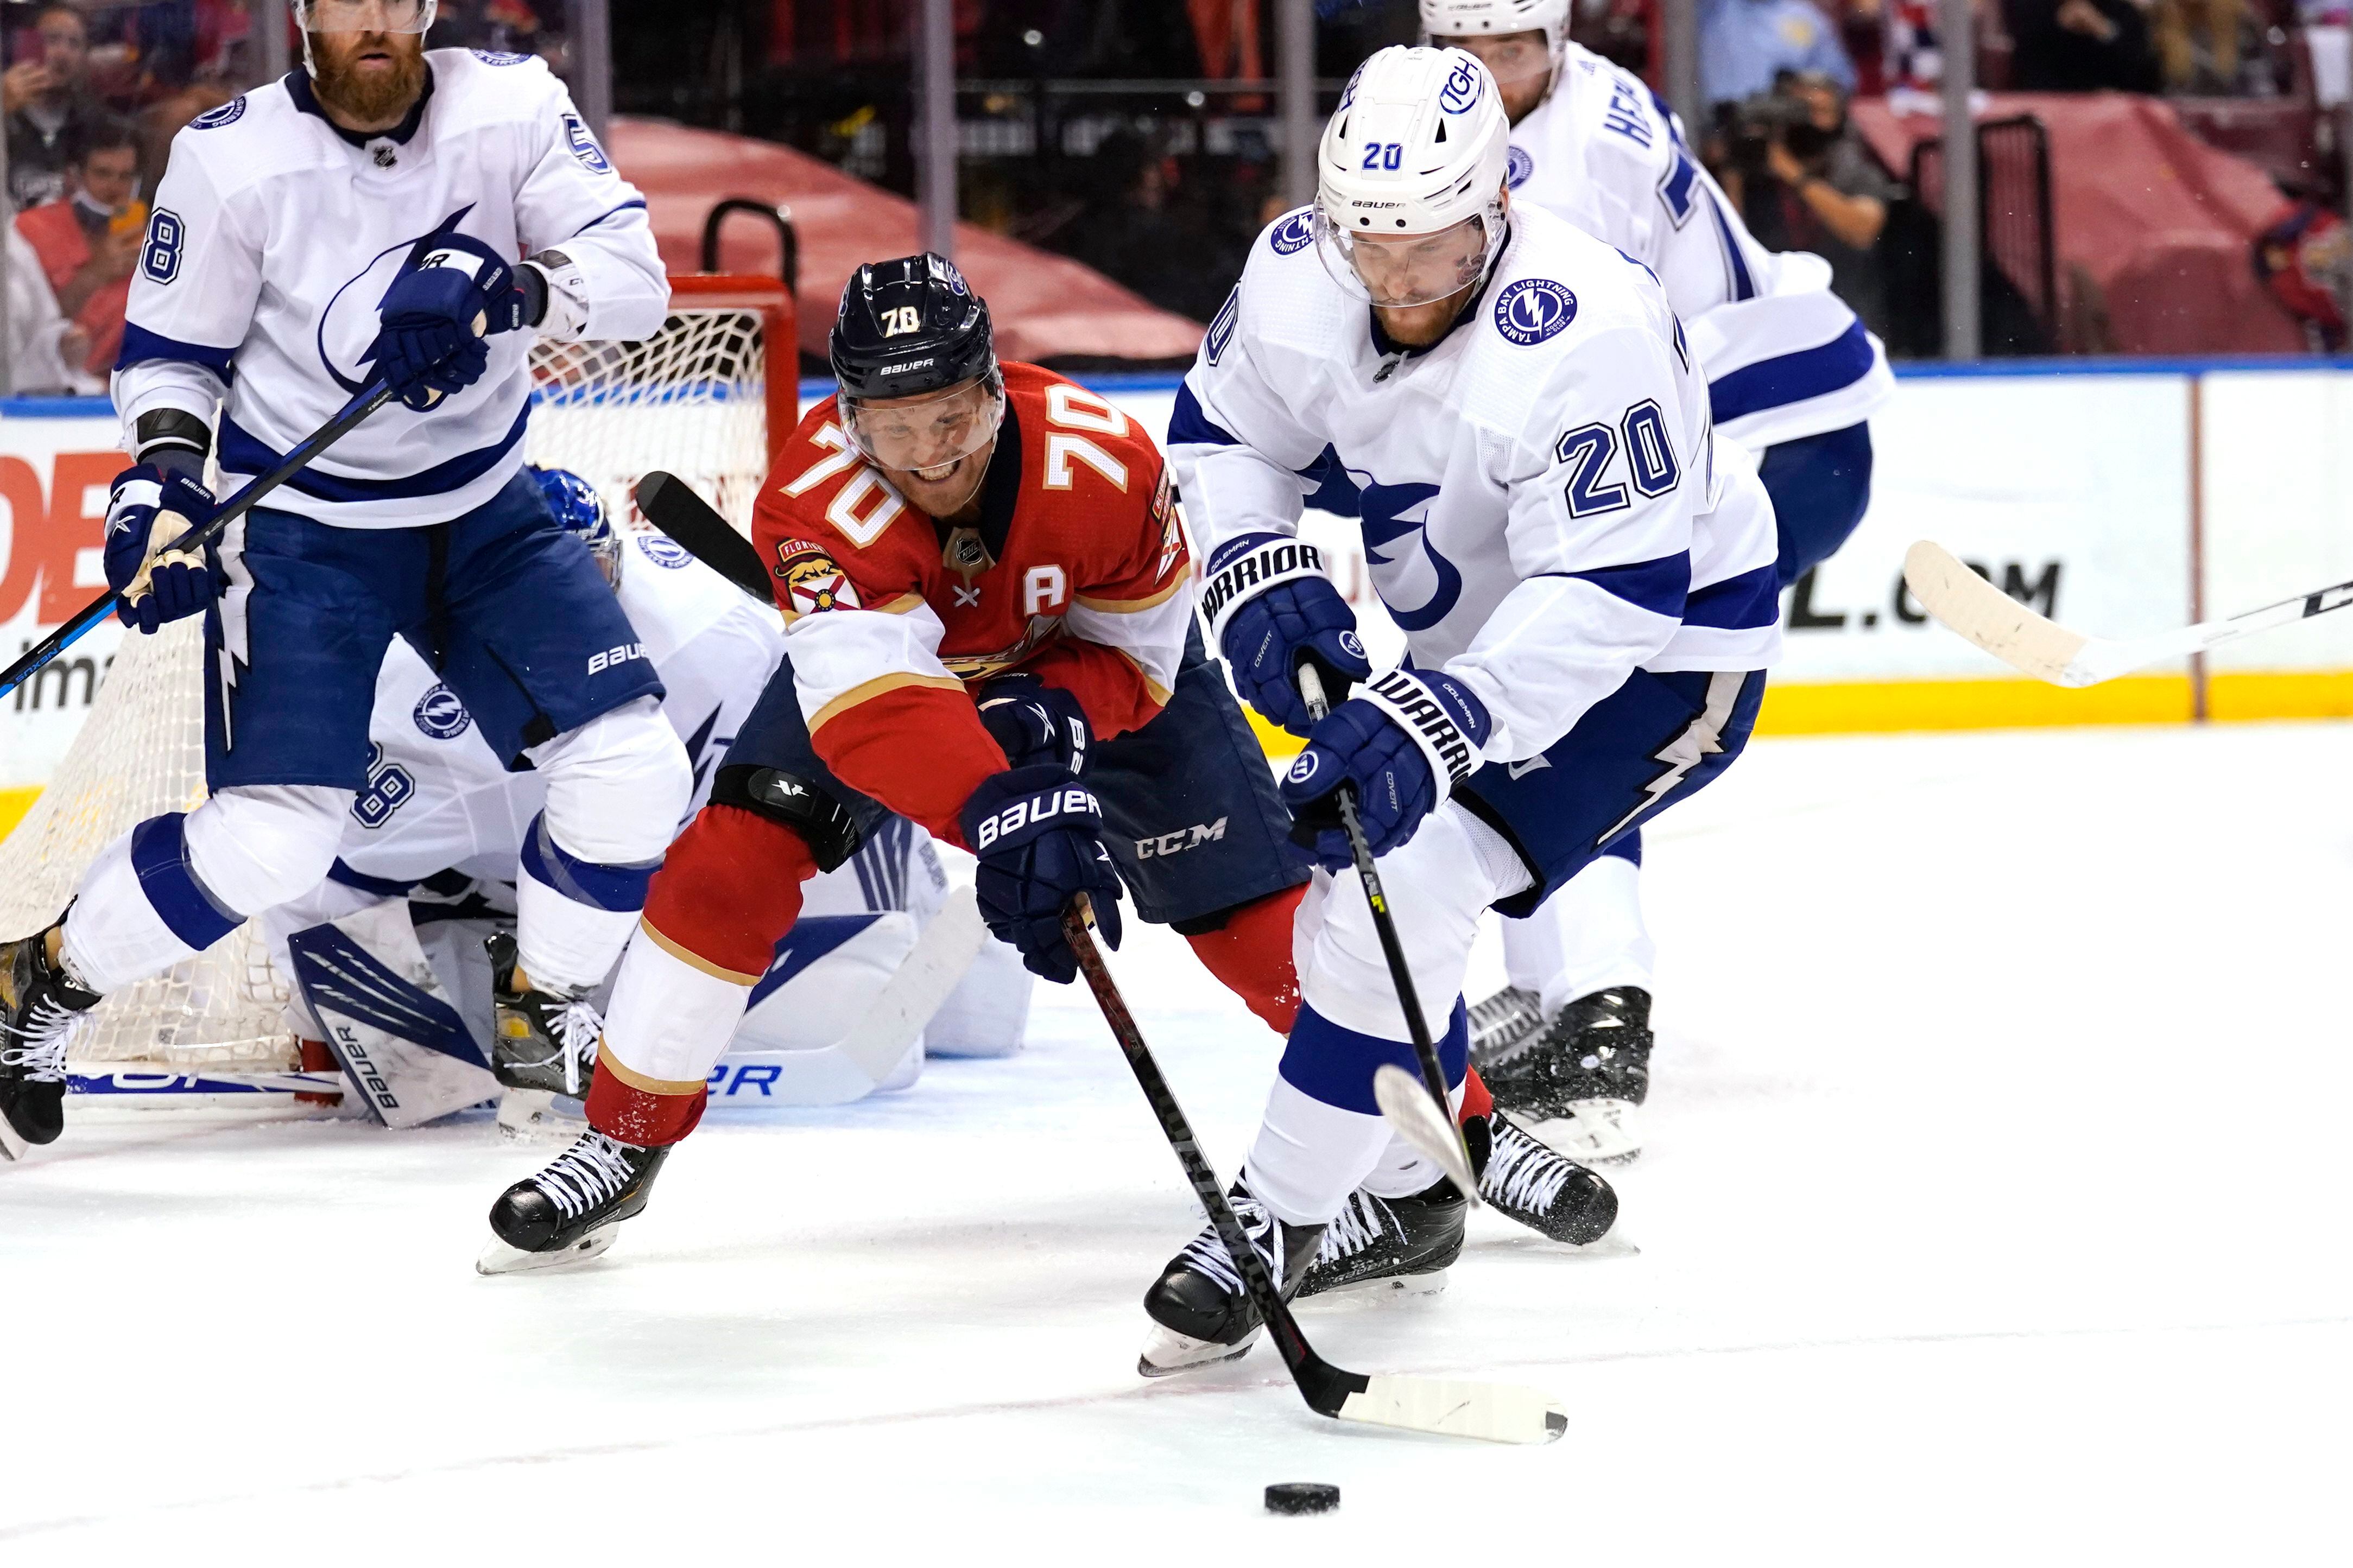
[[812, 581]]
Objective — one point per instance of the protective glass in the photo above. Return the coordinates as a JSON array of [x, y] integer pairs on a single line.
[[1508, 56], [927, 432], [363, 16], [1394, 271]]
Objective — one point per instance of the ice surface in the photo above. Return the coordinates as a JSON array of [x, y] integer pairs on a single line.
[[1995, 1211]]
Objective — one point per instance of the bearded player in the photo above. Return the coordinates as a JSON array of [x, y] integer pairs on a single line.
[[987, 591], [416, 218]]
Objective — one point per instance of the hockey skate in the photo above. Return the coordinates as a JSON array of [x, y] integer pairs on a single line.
[[41, 1011], [1390, 1243], [1199, 1311], [1502, 1022], [1576, 1082], [568, 1213], [542, 1044], [1542, 1189]]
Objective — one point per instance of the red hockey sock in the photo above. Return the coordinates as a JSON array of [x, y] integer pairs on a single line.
[[627, 1114], [1476, 1100], [730, 889], [1252, 954]]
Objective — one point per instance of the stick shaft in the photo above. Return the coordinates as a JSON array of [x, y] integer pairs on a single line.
[[367, 402]]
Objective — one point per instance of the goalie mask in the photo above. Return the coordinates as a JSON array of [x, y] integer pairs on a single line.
[[916, 357], [1409, 197], [580, 512]]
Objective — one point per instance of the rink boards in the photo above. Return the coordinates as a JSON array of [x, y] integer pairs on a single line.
[[2121, 496]]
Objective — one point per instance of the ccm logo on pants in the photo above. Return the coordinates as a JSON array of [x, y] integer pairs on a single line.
[[1177, 843], [613, 656]]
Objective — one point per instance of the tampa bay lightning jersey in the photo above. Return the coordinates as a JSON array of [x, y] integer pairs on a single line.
[[1785, 356], [439, 798], [273, 238], [1545, 503]]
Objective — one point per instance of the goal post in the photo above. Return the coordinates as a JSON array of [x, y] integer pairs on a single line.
[[697, 400]]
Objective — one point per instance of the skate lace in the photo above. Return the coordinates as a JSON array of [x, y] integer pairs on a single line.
[[1522, 1173], [578, 1028], [586, 1175], [1209, 1254], [1360, 1222], [42, 1055]]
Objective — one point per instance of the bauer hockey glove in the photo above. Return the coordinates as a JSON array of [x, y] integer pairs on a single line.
[[1035, 832], [147, 509], [1271, 609], [454, 293], [1035, 722], [1404, 744]]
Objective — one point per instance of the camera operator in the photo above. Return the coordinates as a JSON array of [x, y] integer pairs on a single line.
[[1803, 180]]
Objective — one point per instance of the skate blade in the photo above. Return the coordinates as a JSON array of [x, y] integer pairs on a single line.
[[1167, 1353], [13, 1144], [1593, 1132], [1388, 1288], [497, 1257], [529, 1116]]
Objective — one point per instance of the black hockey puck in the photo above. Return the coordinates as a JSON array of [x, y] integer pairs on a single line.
[[1302, 1497]]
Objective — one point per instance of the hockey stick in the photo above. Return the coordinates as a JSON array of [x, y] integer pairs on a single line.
[[2039, 647], [1497, 1412], [1425, 1120], [371, 398], [686, 517]]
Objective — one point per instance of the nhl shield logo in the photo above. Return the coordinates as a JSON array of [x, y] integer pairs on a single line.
[[1532, 310]]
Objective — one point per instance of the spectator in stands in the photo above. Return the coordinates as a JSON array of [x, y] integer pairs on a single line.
[[87, 242], [2080, 45], [1746, 45], [2213, 49], [46, 98], [44, 351], [1804, 180]]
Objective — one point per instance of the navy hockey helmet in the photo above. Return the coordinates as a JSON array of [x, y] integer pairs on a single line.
[[912, 335], [580, 512]]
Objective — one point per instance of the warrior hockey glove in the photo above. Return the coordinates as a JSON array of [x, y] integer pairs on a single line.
[[147, 509], [1272, 609], [1035, 722], [1035, 831], [1404, 744], [436, 314]]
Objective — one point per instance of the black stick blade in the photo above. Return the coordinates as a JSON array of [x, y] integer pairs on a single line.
[[670, 505]]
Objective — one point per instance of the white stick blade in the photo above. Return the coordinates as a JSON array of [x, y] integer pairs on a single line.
[[1990, 618], [1491, 1412], [1404, 1101]]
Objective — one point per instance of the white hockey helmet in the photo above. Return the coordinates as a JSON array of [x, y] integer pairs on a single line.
[[1444, 20], [359, 16], [1409, 177]]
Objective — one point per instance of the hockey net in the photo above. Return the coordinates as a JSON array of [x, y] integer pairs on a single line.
[[696, 401]]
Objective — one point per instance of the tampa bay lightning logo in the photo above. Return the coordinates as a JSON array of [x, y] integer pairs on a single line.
[[228, 113], [663, 550], [440, 715], [1221, 329], [348, 326], [1532, 310], [1348, 93], [1304, 768], [584, 150], [1517, 167], [1293, 233], [499, 57], [1419, 586], [1463, 85]]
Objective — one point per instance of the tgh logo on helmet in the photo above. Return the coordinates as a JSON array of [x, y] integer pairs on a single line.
[[1462, 88]]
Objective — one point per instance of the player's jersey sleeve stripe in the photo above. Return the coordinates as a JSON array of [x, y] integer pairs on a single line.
[[243, 452], [693, 959], [1659, 585], [609, 212], [1792, 377], [1737, 603], [866, 691], [1188, 426], [1743, 286], [1131, 607], [141, 346]]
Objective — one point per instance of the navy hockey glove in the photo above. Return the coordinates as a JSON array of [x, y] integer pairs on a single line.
[[1035, 830], [1272, 609], [1035, 722], [148, 508], [454, 293], [1404, 744]]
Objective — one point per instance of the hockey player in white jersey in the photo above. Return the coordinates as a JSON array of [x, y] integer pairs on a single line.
[[362, 220], [444, 821], [1792, 376], [1584, 573]]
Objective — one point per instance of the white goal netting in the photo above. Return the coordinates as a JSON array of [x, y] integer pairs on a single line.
[[692, 401]]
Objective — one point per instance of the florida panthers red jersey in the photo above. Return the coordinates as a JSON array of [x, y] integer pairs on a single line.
[[1076, 570]]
